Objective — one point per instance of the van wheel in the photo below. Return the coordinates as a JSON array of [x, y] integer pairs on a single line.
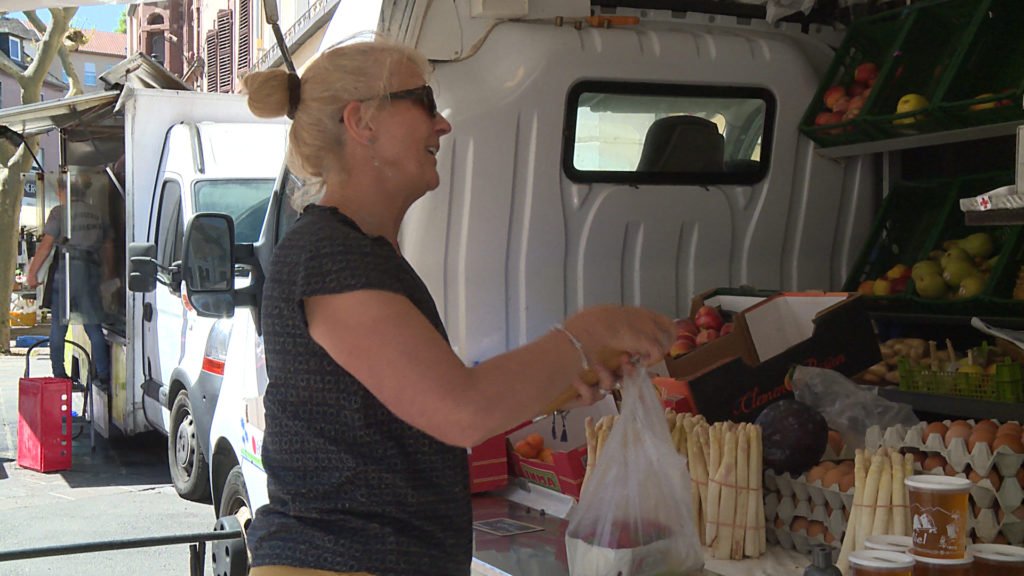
[[230, 557], [234, 498], [189, 471]]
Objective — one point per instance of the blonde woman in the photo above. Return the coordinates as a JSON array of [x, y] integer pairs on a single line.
[[368, 410]]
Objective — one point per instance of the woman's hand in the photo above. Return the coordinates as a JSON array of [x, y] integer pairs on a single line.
[[612, 337]]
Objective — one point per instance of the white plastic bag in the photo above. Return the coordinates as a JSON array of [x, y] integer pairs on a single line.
[[635, 517]]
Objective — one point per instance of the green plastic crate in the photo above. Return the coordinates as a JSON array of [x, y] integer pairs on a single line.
[[872, 39], [992, 63], [1005, 238], [1006, 385], [936, 38], [904, 230]]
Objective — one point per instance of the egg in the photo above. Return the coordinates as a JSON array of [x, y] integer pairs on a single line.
[[980, 436], [846, 482], [829, 537], [960, 424], [815, 528], [1012, 442], [1009, 428], [827, 465], [934, 428], [1000, 539], [779, 523], [954, 432], [932, 462], [987, 425], [799, 524], [816, 473], [1000, 516], [993, 477], [948, 470], [846, 465], [831, 478], [919, 456]]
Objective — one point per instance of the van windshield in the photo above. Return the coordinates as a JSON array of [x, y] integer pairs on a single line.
[[245, 201]]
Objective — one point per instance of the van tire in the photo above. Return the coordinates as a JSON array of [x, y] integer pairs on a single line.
[[234, 495], [189, 471]]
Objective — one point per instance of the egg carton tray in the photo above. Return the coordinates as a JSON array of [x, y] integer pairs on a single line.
[[1009, 496], [800, 541], [802, 490], [787, 508], [982, 459], [986, 526]]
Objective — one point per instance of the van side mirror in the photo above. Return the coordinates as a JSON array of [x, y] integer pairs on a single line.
[[142, 267], [208, 264]]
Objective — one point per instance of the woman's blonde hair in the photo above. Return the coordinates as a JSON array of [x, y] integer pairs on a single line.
[[359, 71]]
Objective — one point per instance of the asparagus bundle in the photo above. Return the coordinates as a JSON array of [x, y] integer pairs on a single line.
[[726, 471], [879, 500]]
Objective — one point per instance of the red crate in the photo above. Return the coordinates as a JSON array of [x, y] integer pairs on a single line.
[[44, 424]]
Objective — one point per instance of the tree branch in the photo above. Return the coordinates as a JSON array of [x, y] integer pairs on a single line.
[[36, 22], [50, 44], [74, 83], [8, 66]]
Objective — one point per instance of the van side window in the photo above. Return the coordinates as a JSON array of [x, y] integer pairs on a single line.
[[169, 233], [641, 133]]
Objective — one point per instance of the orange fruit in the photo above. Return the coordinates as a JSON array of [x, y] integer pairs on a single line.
[[546, 456], [536, 440], [525, 449]]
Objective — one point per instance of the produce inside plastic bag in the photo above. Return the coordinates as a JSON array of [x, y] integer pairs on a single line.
[[848, 408], [634, 517]]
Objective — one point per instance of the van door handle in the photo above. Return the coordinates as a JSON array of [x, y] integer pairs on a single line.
[[147, 312]]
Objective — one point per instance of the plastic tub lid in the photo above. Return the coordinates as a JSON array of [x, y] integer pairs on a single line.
[[881, 559], [998, 552], [967, 559], [889, 542], [934, 483]]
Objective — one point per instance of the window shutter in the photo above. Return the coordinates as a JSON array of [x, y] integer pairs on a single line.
[[225, 78], [211, 61], [244, 36]]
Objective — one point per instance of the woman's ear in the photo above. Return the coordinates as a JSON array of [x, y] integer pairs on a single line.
[[357, 126]]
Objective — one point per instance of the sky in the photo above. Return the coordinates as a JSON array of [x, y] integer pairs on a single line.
[[103, 17]]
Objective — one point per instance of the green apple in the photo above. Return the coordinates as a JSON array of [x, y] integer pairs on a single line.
[[929, 284], [954, 253], [971, 286], [957, 270], [929, 265]]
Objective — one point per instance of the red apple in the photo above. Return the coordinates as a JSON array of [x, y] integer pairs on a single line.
[[866, 73], [858, 88], [841, 105], [685, 326], [726, 329], [708, 318], [832, 95], [828, 118], [706, 336], [681, 347], [899, 285]]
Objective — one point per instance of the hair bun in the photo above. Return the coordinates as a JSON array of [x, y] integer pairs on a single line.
[[268, 93]]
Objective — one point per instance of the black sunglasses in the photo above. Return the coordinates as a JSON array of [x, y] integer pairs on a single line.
[[423, 95]]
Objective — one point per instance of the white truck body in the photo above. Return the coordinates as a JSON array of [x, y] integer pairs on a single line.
[[508, 244]]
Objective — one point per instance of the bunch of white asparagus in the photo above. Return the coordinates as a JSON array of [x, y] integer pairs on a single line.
[[725, 466], [880, 500]]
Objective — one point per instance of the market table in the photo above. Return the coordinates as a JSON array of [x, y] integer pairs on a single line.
[[543, 552]]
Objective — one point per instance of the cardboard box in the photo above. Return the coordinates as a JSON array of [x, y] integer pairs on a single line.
[[488, 464], [826, 330], [570, 455]]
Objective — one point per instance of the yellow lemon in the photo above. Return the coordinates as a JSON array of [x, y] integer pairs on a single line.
[[909, 103]]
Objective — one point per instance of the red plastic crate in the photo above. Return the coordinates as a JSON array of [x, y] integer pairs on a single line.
[[44, 424]]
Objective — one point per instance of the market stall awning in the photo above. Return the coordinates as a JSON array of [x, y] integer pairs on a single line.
[[41, 117]]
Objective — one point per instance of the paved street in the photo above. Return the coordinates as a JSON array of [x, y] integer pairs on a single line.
[[119, 491]]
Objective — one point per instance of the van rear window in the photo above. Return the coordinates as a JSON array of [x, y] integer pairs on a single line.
[[641, 133]]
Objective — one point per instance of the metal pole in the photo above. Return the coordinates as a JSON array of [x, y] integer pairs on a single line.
[[125, 544]]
